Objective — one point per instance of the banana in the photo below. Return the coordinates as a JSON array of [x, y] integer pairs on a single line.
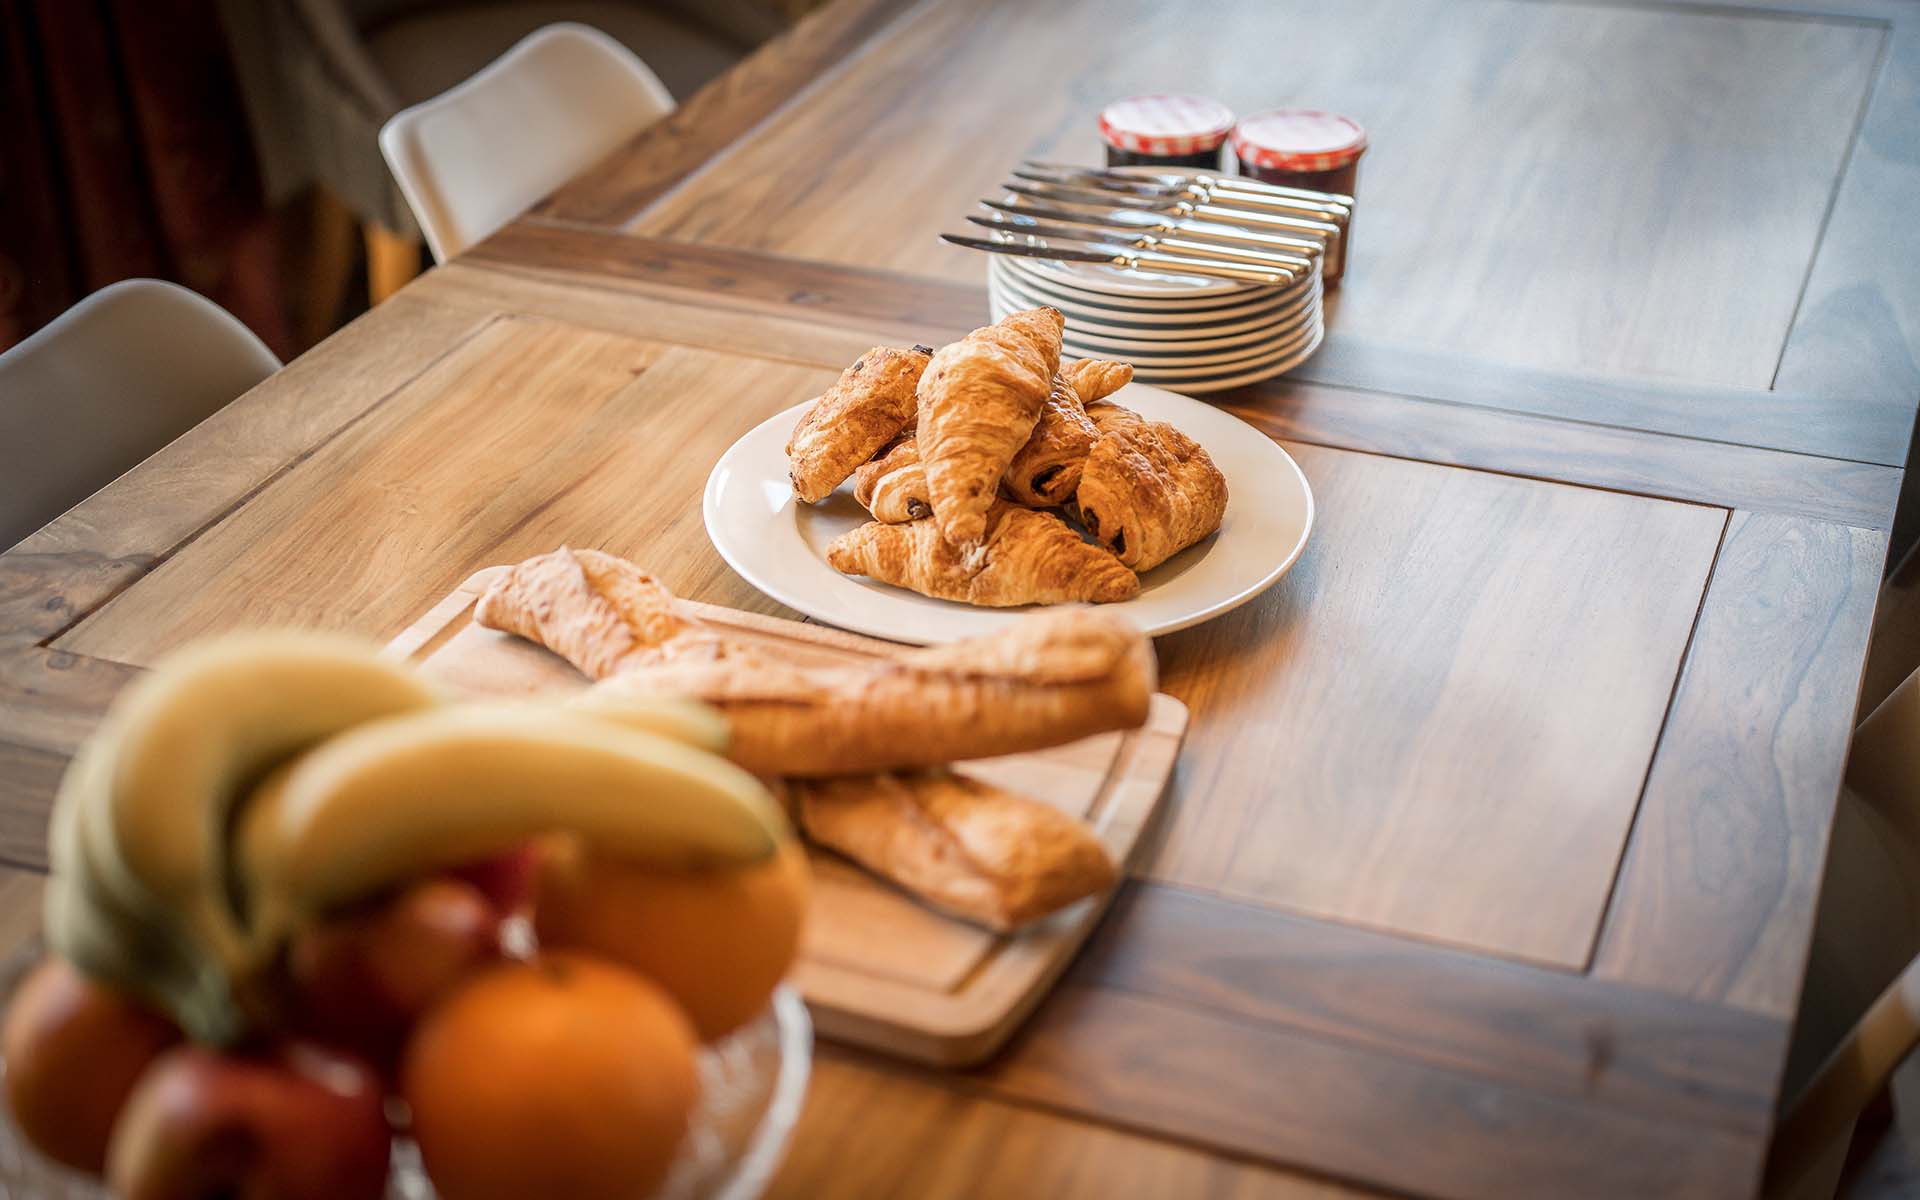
[[674, 717], [142, 820], [195, 734], [129, 945], [412, 793]]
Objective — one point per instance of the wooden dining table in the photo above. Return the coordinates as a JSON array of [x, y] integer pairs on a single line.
[[1490, 862]]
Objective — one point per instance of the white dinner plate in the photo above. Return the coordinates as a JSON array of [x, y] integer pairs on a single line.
[[779, 545], [1270, 300], [1039, 274], [1199, 384], [1152, 370], [1142, 352], [1121, 323], [1154, 285]]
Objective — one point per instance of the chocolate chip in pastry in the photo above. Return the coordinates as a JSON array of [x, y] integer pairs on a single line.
[[1027, 557], [867, 407], [893, 487], [1148, 491], [979, 400]]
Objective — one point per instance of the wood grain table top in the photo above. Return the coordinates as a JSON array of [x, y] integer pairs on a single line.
[[1489, 865]]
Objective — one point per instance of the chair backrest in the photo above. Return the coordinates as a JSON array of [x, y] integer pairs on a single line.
[[477, 155], [107, 383]]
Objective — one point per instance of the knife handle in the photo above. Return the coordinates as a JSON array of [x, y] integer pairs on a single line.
[[1236, 235], [1325, 231], [1257, 258], [1178, 265], [1256, 187]]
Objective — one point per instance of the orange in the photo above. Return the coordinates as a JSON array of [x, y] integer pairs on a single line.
[[74, 1049], [718, 940], [563, 1076]]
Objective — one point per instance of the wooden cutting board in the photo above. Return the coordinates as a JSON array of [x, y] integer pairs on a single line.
[[878, 969]]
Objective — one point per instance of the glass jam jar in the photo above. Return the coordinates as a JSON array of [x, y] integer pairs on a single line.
[[1304, 148], [1165, 129]]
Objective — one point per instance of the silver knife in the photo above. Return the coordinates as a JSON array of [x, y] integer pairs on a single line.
[[1147, 240], [1141, 220], [1176, 206], [1125, 257], [1176, 180]]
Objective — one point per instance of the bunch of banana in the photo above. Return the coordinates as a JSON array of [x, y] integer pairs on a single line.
[[252, 784]]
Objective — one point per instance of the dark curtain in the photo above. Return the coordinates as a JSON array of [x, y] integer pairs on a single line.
[[125, 154]]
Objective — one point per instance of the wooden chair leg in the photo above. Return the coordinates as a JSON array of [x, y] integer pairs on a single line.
[[328, 266], [392, 260]]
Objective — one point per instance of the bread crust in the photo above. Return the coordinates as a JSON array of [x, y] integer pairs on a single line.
[[867, 407], [1045, 471], [1096, 378], [1045, 680], [960, 845], [1148, 491], [1026, 557], [893, 487], [979, 400]]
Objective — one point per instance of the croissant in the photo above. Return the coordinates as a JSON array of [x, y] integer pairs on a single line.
[[893, 487], [1094, 378], [964, 846], [1028, 557], [867, 407], [1046, 470], [1148, 491], [978, 402]]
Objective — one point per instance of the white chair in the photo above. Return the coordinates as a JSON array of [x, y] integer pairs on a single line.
[[477, 155], [107, 383]]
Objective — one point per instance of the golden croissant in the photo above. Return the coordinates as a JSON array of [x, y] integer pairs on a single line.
[[1096, 378], [1027, 557], [979, 400], [867, 407]]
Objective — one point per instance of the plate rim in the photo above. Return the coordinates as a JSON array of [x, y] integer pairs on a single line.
[[1094, 326], [799, 602]]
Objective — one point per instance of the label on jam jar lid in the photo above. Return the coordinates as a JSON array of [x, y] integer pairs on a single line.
[[1166, 124], [1303, 140]]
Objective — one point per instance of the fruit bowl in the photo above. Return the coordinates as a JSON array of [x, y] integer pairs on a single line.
[[753, 1084]]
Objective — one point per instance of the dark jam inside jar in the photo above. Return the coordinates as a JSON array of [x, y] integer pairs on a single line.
[[1206, 160], [1305, 148], [1166, 129]]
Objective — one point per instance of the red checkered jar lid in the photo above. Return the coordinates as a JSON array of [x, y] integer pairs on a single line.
[[1166, 124], [1298, 139]]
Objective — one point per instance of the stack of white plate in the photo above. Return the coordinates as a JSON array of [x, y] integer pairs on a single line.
[[1182, 332]]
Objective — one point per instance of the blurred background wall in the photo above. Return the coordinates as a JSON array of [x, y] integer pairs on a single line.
[[229, 144]]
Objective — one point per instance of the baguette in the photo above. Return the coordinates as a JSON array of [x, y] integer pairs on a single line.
[[1045, 680]]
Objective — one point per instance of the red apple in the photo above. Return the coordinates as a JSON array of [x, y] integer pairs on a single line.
[[74, 1050], [505, 879], [362, 980], [302, 1124]]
